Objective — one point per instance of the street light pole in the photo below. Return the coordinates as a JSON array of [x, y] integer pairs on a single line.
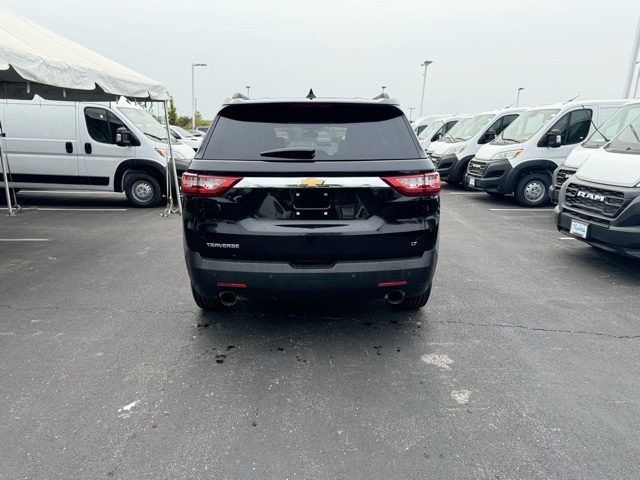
[[411, 109], [193, 92], [518, 96], [425, 64], [248, 87]]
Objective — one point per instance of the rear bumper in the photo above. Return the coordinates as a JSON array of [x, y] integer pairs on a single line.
[[281, 281]]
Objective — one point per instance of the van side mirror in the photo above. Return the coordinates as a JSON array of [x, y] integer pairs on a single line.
[[124, 138], [436, 137], [488, 136], [554, 138]]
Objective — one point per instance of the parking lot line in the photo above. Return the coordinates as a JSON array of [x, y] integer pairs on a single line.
[[532, 210], [25, 240], [73, 209], [567, 238]]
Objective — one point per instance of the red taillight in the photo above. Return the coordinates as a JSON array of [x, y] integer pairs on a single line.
[[202, 185], [231, 285], [420, 185]]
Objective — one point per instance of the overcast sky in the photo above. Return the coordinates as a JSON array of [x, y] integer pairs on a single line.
[[482, 51]]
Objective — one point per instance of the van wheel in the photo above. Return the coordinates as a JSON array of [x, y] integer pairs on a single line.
[[142, 190], [208, 304], [413, 303], [533, 190]]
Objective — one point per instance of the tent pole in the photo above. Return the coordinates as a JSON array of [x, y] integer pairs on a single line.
[[174, 172], [5, 172]]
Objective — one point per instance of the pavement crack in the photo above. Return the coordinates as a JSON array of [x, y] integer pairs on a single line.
[[541, 329], [91, 309]]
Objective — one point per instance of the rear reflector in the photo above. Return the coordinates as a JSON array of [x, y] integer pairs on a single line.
[[231, 285], [420, 185], [202, 185], [392, 284]]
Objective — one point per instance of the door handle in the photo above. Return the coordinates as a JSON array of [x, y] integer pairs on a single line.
[[87, 148], [69, 147]]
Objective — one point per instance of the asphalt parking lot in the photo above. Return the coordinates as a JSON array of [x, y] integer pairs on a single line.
[[523, 365]]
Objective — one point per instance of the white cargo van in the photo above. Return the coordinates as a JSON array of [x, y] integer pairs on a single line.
[[436, 130], [605, 132], [452, 153], [600, 203], [117, 147], [522, 159], [420, 123]]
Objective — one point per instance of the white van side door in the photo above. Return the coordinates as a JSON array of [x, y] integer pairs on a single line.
[[573, 127], [100, 154]]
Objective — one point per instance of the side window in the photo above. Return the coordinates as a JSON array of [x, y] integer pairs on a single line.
[[102, 125], [579, 126], [495, 126], [506, 121]]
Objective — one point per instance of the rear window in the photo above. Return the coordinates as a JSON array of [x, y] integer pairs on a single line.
[[334, 131]]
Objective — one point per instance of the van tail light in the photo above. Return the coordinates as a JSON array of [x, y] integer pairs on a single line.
[[420, 185], [202, 185]]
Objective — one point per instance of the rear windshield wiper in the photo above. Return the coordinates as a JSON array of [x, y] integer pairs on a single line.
[[299, 153]]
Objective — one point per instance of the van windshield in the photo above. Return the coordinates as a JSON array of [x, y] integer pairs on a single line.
[[525, 126], [628, 140], [467, 127], [614, 124], [433, 126], [145, 122]]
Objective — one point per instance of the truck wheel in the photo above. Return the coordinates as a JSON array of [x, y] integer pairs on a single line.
[[533, 190], [413, 303], [142, 190], [208, 304]]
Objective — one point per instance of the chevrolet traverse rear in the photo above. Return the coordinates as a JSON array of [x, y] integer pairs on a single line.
[[311, 200]]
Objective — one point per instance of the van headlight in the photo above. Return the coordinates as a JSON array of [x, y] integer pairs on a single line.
[[165, 154], [455, 150], [506, 155]]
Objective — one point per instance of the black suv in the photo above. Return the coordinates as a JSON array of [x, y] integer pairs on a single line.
[[311, 200]]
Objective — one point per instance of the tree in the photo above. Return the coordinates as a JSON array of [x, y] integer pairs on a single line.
[[172, 113], [200, 121], [184, 122]]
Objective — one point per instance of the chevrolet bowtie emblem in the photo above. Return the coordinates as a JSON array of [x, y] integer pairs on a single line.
[[311, 182]]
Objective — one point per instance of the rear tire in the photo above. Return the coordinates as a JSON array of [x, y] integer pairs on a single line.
[[208, 304], [533, 190], [415, 302], [142, 190]]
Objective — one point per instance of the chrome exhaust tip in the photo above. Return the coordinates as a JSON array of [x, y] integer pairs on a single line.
[[227, 298], [395, 297]]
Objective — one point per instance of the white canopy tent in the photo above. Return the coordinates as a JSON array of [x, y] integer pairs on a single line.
[[37, 61]]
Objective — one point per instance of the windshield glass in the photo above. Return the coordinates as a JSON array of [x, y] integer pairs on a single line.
[[468, 127], [426, 133], [628, 140], [145, 122], [182, 132], [333, 132], [525, 126], [614, 124]]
